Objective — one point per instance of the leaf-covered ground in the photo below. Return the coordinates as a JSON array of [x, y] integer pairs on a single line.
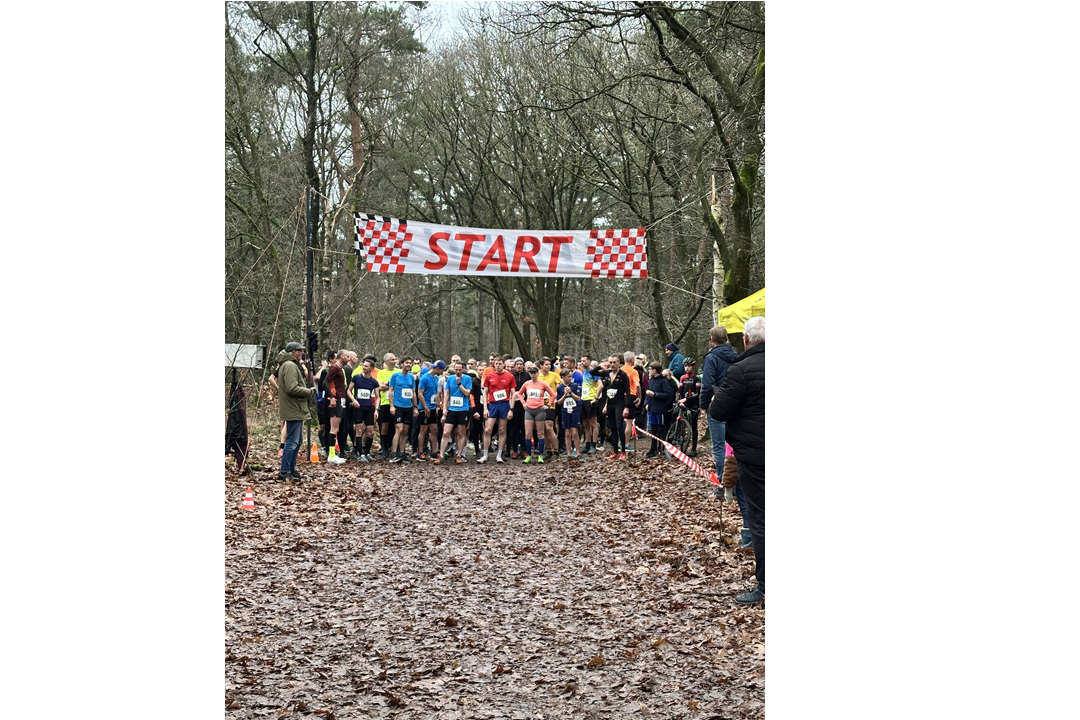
[[584, 589]]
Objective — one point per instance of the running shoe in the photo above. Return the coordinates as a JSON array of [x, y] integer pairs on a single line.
[[528, 459], [540, 459]]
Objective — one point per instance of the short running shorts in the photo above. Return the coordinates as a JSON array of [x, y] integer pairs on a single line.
[[363, 415], [457, 417]]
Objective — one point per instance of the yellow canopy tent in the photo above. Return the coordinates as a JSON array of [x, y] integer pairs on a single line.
[[733, 316]]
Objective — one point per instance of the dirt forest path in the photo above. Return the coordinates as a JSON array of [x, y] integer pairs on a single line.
[[588, 589]]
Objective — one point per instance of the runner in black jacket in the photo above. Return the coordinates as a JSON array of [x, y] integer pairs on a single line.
[[617, 392]]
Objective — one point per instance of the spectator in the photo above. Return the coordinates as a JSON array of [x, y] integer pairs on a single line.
[[292, 406], [658, 403], [713, 370], [675, 360], [740, 402]]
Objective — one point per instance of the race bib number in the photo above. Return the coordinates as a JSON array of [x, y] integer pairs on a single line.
[[457, 402], [534, 394], [364, 394], [406, 394], [611, 393], [499, 395], [570, 404]]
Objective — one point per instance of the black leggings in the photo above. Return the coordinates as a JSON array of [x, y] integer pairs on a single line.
[[616, 426], [476, 432]]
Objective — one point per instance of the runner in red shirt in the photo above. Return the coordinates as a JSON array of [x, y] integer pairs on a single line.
[[497, 387]]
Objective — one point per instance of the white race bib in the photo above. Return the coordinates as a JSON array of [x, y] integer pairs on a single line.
[[533, 394], [569, 404], [363, 394], [406, 393], [499, 395], [611, 392], [457, 402]]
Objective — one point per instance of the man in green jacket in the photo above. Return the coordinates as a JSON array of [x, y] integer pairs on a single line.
[[293, 397]]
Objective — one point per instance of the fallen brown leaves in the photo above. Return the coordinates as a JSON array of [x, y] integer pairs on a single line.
[[564, 590]]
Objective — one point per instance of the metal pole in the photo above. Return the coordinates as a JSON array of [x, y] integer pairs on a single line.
[[307, 301]]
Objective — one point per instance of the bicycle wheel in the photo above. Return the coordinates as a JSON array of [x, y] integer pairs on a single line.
[[679, 435]]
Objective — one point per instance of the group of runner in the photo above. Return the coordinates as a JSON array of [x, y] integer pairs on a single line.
[[436, 410]]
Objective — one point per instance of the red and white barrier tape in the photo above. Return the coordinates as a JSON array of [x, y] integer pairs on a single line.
[[676, 452]]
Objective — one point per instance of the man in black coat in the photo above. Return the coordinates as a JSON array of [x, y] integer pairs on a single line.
[[740, 401]]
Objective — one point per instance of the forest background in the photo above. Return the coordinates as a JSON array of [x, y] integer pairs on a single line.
[[501, 115], [894, 131]]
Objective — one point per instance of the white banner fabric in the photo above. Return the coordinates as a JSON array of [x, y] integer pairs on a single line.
[[389, 245]]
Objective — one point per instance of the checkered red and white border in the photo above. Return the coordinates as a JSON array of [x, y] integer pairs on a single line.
[[383, 242], [618, 253]]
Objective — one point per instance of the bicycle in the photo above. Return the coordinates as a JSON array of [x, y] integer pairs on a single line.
[[679, 434]]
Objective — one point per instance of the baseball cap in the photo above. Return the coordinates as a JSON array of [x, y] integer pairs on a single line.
[[439, 364]]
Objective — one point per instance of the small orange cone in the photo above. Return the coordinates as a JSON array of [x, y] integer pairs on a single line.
[[314, 452], [249, 501]]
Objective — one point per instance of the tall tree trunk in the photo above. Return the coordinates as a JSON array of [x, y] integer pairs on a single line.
[[479, 324], [450, 325], [308, 143]]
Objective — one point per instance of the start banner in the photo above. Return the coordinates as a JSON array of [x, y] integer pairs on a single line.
[[389, 245]]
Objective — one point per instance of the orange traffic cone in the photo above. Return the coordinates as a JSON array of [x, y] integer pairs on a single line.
[[314, 452], [249, 501]]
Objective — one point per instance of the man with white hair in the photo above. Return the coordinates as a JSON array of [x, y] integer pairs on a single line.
[[740, 402]]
